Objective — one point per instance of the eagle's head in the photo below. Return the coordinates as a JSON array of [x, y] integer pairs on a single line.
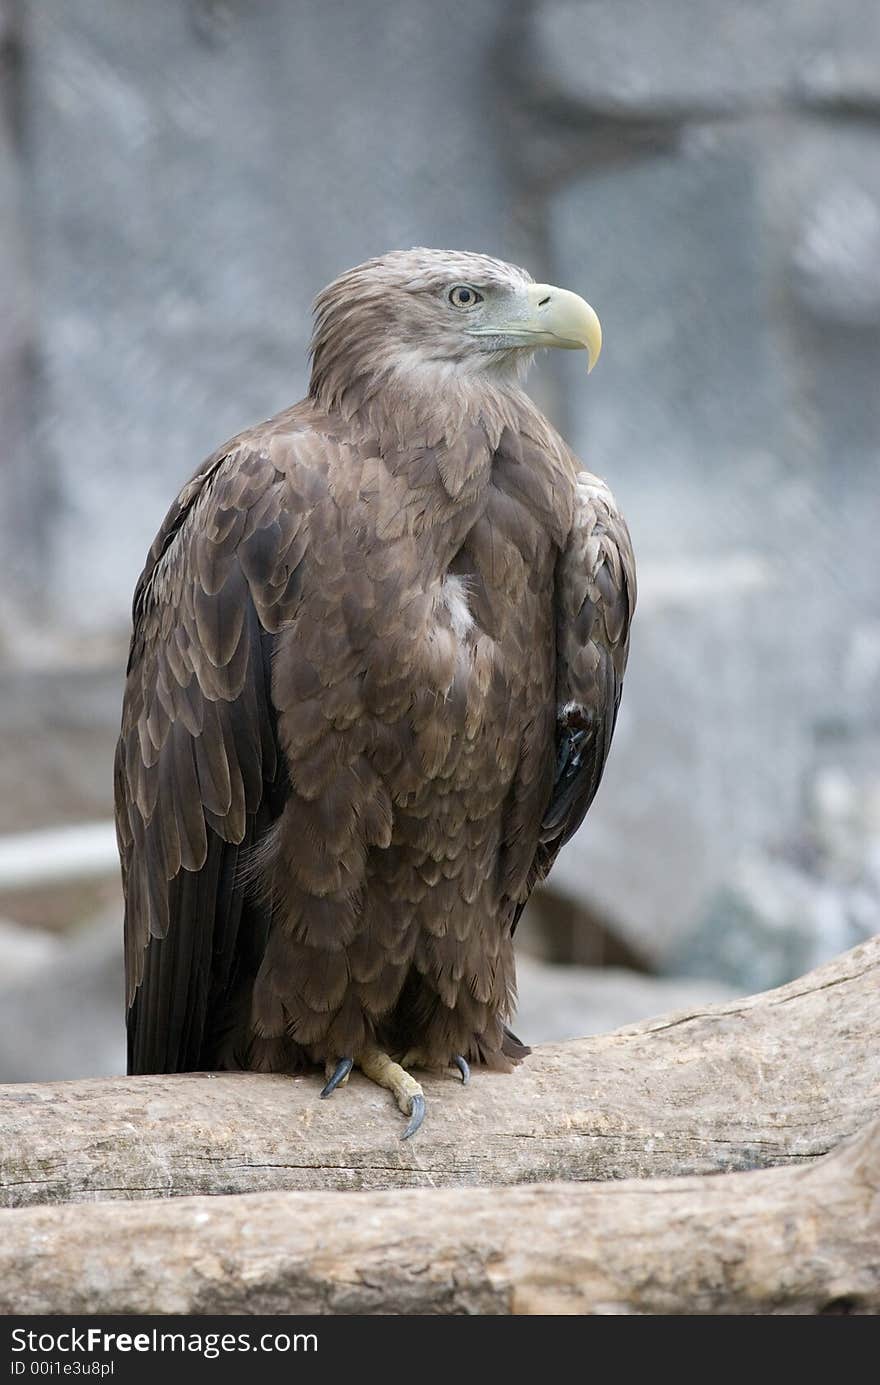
[[434, 317]]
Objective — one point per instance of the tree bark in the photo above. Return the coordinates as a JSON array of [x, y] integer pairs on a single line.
[[803, 1239], [778, 1078]]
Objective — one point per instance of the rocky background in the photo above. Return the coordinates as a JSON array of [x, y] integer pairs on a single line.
[[178, 178]]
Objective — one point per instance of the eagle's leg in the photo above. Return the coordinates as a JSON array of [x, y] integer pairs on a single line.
[[406, 1090], [338, 1075]]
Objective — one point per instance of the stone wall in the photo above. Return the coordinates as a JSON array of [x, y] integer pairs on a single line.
[[722, 202], [20, 481], [178, 178]]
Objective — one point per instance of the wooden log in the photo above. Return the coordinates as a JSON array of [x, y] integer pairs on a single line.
[[801, 1239], [780, 1077]]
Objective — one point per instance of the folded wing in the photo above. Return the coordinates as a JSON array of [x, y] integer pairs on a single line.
[[595, 600], [198, 773]]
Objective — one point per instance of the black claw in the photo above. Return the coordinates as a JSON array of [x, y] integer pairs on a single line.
[[463, 1067], [416, 1116], [343, 1068]]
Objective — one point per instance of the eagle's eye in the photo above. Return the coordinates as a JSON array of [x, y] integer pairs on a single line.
[[463, 296]]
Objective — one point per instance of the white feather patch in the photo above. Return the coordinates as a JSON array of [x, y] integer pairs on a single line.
[[454, 597]]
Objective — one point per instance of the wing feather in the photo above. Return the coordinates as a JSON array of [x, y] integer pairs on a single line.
[[199, 775], [595, 601]]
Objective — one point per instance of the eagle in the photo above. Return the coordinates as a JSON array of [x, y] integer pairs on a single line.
[[377, 657]]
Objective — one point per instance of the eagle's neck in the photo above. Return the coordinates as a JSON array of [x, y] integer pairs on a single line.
[[421, 404]]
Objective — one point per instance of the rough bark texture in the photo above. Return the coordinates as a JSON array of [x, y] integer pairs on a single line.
[[789, 1240], [776, 1078]]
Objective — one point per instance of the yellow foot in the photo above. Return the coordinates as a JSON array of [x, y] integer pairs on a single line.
[[379, 1068]]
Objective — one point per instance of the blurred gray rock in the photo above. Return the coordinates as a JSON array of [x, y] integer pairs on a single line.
[[25, 951], [19, 479], [775, 917], [826, 207], [767, 923], [557, 1002], [836, 259], [672, 58], [61, 1005], [58, 730]]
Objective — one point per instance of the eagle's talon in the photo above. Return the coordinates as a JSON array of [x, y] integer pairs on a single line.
[[340, 1075], [463, 1067], [407, 1092], [417, 1115]]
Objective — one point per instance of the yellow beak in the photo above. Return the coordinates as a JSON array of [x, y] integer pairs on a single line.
[[561, 318], [546, 316]]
